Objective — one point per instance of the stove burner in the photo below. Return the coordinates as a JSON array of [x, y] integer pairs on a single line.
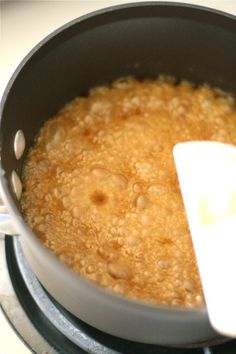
[[65, 332]]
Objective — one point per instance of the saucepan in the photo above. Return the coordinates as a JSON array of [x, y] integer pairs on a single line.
[[139, 39]]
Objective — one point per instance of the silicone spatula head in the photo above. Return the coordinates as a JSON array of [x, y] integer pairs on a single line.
[[207, 178]]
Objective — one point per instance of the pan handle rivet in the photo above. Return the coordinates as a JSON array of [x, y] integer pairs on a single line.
[[16, 184], [19, 144]]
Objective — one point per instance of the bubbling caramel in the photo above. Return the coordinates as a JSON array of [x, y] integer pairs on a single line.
[[101, 190]]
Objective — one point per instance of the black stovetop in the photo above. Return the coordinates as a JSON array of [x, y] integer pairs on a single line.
[[110, 343]]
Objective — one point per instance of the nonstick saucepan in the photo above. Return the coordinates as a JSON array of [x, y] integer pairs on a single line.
[[140, 39]]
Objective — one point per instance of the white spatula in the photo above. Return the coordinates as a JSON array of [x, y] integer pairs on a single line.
[[207, 177]]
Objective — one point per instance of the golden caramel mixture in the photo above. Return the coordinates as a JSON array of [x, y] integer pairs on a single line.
[[101, 190]]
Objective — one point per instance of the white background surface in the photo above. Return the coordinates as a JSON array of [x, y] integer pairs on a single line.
[[23, 24]]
